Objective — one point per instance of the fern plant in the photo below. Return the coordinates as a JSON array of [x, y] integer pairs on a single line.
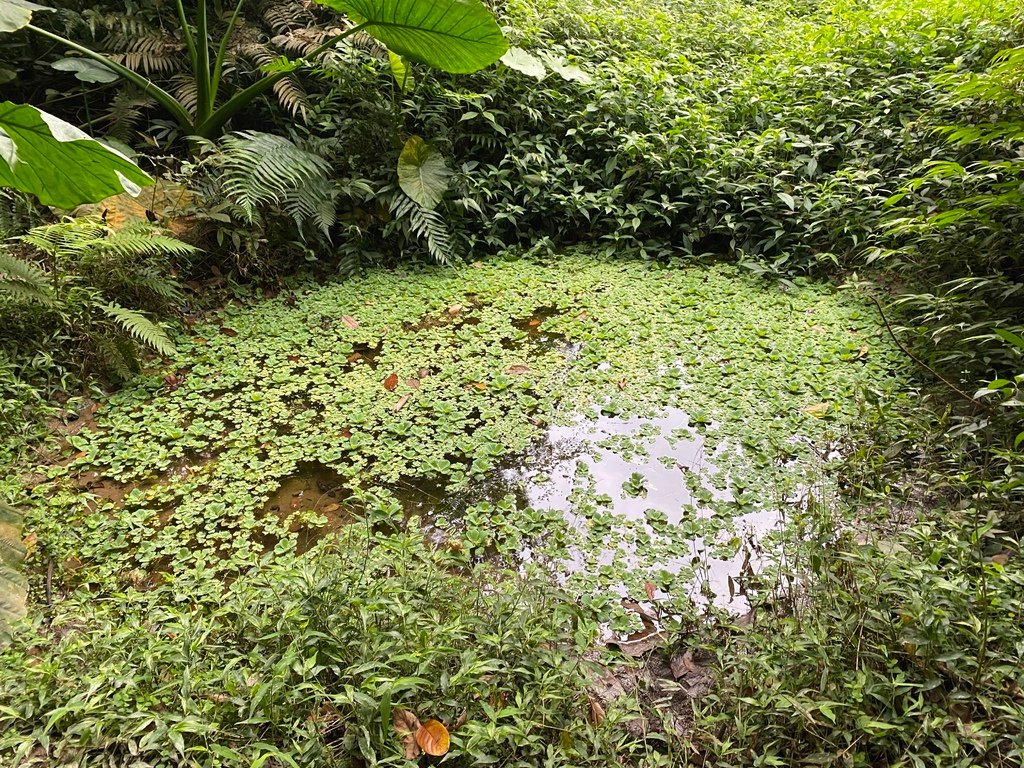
[[24, 281], [84, 273], [259, 172], [424, 225]]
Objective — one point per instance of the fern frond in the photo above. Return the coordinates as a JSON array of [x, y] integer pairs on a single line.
[[258, 169], [427, 225], [141, 327], [24, 281]]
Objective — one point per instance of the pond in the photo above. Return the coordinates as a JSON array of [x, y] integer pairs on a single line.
[[632, 429]]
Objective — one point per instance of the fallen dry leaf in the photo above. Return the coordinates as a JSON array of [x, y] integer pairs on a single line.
[[412, 383], [534, 322], [407, 725], [454, 309], [596, 714], [350, 322], [391, 382], [683, 665], [517, 370], [228, 331], [649, 589], [401, 403], [433, 738]]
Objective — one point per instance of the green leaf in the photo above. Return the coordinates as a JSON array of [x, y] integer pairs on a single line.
[[422, 173], [1009, 336], [524, 62], [141, 327], [565, 70], [450, 35], [13, 587], [401, 70], [86, 70], [15, 14], [58, 163]]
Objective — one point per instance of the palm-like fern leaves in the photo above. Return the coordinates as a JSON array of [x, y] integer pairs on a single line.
[[426, 224], [259, 169], [141, 327], [24, 281]]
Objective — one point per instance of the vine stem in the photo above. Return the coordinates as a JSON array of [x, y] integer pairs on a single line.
[[976, 403]]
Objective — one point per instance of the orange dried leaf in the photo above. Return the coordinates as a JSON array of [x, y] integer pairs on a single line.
[[433, 738], [391, 382]]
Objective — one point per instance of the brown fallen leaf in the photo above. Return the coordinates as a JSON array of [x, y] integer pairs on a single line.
[[595, 715], [649, 589], [621, 383], [329, 508], [1002, 558], [517, 370], [231, 332], [422, 373], [682, 665], [582, 315], [433, 738], [391, 382], [534, 322], [407, 725], [479, 386], [345, 433], [412, 383], [350, 322], [401, 403], [353, 357], [454, 309], [461, 720]]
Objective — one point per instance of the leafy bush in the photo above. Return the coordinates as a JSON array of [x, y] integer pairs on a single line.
[[304, 662]]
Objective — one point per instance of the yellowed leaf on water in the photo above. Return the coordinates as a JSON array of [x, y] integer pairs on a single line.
[[433, 738], [818, 410]]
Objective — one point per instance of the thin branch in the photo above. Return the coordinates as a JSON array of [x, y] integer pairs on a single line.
[[952, 386]]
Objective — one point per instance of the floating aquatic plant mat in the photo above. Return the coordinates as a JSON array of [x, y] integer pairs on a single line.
[[630, 428]]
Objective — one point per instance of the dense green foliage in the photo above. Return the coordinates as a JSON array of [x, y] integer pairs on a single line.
[[625, 146]]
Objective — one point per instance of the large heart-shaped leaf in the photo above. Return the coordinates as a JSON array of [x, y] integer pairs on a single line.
[[450, 35], [13, 587], [422, 172], [15, 14], [86, 70], [58, 163]]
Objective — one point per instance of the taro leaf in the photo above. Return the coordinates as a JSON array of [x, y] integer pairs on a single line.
[[13, 587], [15, 14], [432, 738], [86, 70], [407, 725], [58, 163], [565, 70], [401, 70], [524, 62], [450, 35], [422, 172]]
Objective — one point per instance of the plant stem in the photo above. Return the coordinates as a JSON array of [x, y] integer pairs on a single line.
[[166, 100]]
